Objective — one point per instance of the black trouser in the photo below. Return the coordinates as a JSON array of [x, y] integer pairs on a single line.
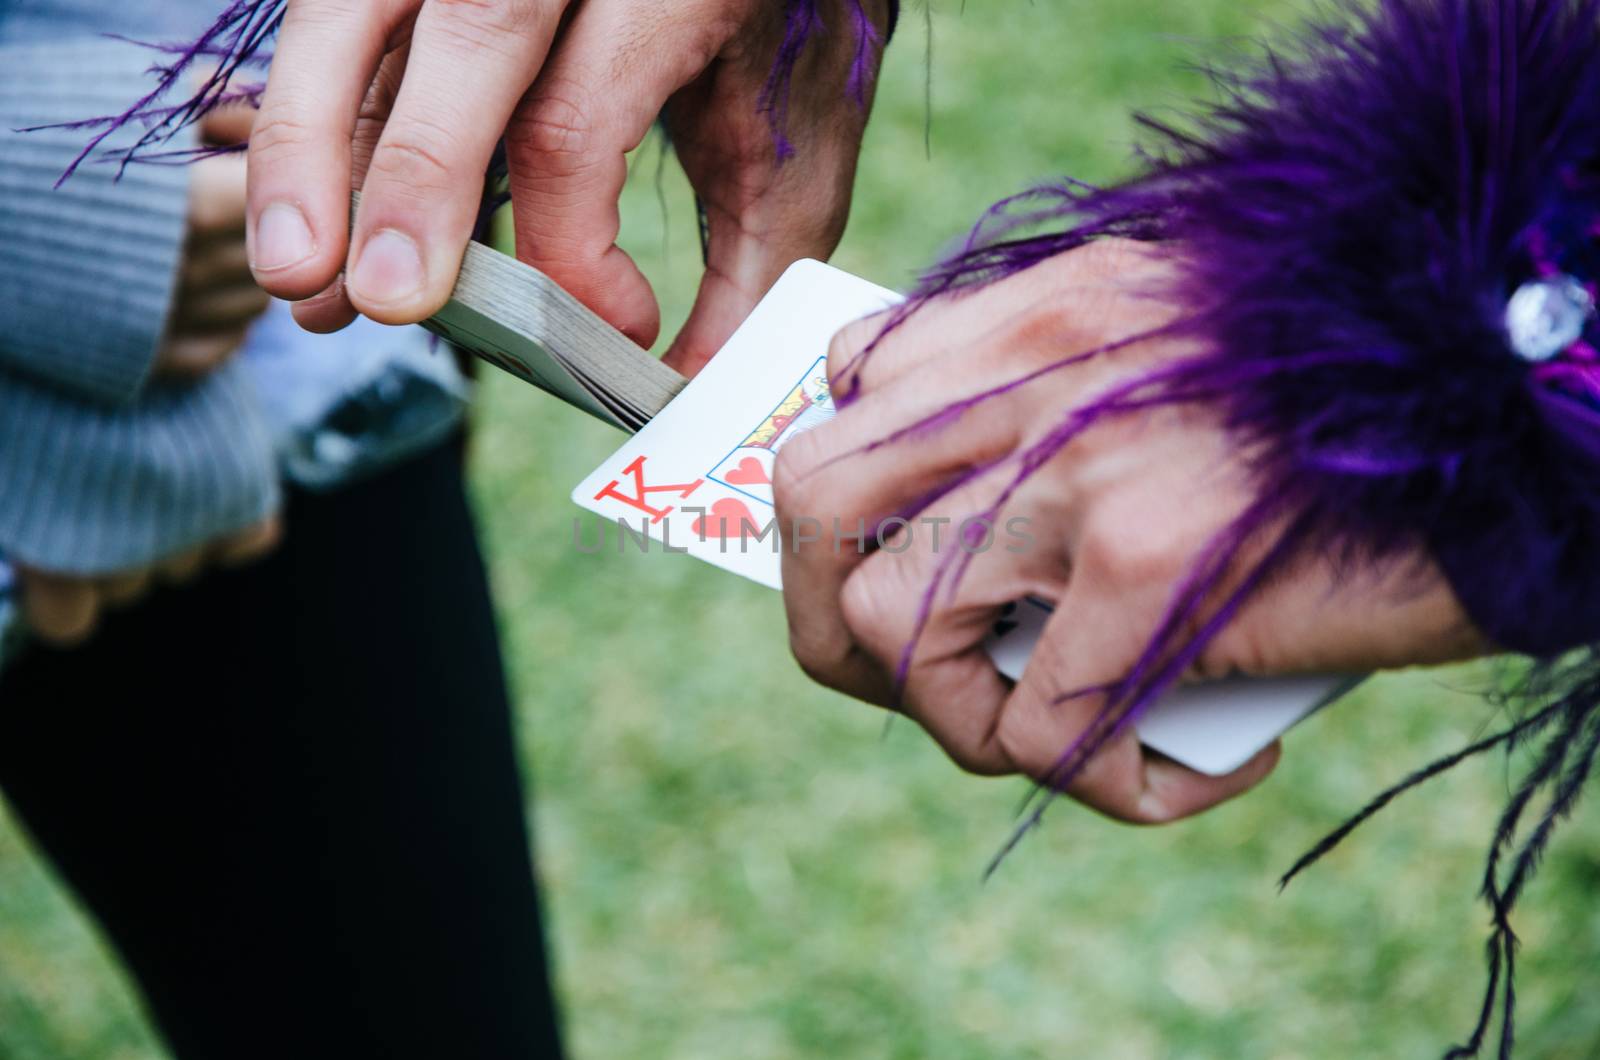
[[288, 792]]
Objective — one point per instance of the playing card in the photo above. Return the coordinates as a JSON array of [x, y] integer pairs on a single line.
[[698, 479]]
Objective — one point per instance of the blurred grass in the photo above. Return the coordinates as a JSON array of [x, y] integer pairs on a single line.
[[741, 865]]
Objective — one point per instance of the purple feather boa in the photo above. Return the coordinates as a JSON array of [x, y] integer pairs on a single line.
[[1348, 225]]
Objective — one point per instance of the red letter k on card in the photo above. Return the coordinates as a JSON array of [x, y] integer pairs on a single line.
[[641, 491]]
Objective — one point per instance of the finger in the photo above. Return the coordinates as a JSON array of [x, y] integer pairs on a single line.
[[331, 310], [742, 264], [227, 126], [798, 212], [220, 309], [922, 608], [190, 357], [217, 197], [60, 611], [220, 262], [1095, 638], [299, 181], [251, 543], [181, 568], [836, 485], [376, 107], [469, 65], [606, 83], [1173, 791], [763, 210], [327, 312], [121, 590]]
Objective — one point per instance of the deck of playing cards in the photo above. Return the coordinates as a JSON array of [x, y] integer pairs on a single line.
[[697, 475]]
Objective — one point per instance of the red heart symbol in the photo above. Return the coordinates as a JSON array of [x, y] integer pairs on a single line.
[[727, 518], [749, 473]]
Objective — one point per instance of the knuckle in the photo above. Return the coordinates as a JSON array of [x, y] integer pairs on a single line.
[[1129, 551], [816, 659], [64, 628], [1017, 744], [325, 14], [1052, 321], [1210, 666], [378, 103], [1245, 647], [557, 127], [791, 473], [1079, 299], [476, 18], [209, 361], [974, 762], [417, 156], [1126, 560], [867, 610], [277, 133], [848, 342]]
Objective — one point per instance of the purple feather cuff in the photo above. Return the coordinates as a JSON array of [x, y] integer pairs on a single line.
[[1388, 246], [1358, 226]]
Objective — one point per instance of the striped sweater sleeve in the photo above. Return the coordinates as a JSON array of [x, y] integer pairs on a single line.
[[100, 469], [86, 271], [89, 489]]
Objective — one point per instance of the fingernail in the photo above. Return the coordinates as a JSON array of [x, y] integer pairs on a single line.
[[282, 238], [389, 269]]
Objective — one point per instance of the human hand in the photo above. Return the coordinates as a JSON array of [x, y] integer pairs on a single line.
[[63, 610], [217, 298], [572, 87], [1117, 519]]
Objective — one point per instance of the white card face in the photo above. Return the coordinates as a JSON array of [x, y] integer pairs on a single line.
[[698, 477]]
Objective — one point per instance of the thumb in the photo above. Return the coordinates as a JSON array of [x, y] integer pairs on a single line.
[[758, 216], [228, 126], [765, 206]]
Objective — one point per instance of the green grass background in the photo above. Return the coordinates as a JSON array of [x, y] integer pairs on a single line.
[[741, 865]]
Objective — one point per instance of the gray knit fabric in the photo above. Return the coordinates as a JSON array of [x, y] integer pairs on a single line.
[[98, 470], [102, 469], [86, 270], [92, 489]]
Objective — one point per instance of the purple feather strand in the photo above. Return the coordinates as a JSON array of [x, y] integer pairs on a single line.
[[237, 40], [802, 23]]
